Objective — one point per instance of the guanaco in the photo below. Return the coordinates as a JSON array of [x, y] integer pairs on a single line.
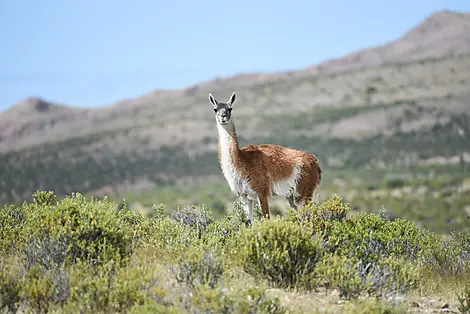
[[256, 172]]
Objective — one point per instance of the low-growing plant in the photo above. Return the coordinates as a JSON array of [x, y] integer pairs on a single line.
[[318, 216], [92, 230], [42, 288], [449, 257], [464, 300], [199, 268], [373, 306], [11, 224], [10, 288], [335, 271], [196, 218], [169, 237], [280, 251], [246, 301]]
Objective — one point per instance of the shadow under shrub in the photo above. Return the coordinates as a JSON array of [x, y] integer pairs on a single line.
[[282, 252]]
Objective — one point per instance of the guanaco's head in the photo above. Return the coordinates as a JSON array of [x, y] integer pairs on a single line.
[[223, 110]]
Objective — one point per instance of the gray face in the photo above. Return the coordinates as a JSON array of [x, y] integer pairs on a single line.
[[223, 111]]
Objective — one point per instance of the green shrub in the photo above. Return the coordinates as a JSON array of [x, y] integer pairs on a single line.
[[195, 218], [281, 251], [318, 217], [110, 288], [11, 223], [448, 257], [91, 230], [371, 306], [353, 278], [168, 237], [41, 288], [222, 234], [335, 271], [464, 300], [246, 301], [198, 268], [10, 288], [369, 237]]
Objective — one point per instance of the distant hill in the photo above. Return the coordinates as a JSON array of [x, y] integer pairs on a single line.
[[403, 103]]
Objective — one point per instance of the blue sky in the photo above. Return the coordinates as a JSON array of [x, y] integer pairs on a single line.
[[89, 53]]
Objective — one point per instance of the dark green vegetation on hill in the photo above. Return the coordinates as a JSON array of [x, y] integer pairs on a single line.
[[393, 115], [93, 256]]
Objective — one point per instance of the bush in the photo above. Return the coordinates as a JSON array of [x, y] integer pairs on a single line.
[[169, 237], [88, 230], [110, 288], [195, 218], [450, 257], [318, 217], [10, 289], [199, 269], [374, 306], [335, 271], [369, 237], [280, 251], [246, 301], [11, 224], [464, 300]]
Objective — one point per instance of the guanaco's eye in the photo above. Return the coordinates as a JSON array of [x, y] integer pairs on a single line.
[[229, 109], [215, 110]]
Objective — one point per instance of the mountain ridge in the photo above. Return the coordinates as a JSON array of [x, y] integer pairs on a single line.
[[438, 21], [401, 113]]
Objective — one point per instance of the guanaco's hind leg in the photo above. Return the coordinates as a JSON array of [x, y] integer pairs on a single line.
[[307, 184], [263, 203]]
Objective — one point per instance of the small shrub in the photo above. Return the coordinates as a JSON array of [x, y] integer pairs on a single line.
[[10, 289], [41, 288], [93, 230], [11, 224], [195, 218], [110, 288], [282, 252], [368, 237], [45, 251], [247, 301], [390, 276], [371, 306], [464, 300], [450, 257], [199, 269], [221, 234], [318, 217], [394, 183], [335, 271], [169, 237]]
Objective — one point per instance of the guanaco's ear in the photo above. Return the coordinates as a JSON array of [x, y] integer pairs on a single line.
[[213, 101], [232, 99]]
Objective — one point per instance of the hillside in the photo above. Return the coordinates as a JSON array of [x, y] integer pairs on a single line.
[[405, 103]]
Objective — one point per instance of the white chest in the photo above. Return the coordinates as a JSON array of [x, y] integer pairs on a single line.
[[237, 183]]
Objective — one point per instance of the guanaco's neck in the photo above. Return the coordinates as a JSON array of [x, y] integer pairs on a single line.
[[228, 142]]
